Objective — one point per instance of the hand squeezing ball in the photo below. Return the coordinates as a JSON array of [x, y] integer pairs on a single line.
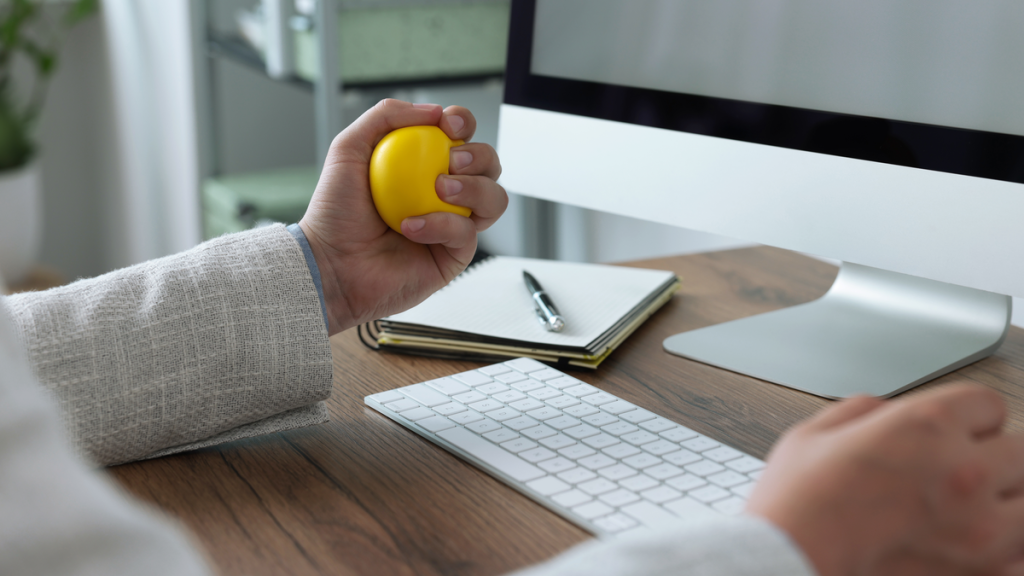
[[403, 170]]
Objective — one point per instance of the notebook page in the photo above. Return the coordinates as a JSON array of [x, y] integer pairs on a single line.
[[492, 300]]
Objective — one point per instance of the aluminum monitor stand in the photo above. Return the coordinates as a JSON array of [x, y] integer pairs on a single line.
[[874, 332]]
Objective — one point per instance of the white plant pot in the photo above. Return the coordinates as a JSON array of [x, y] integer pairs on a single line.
[[20, 221]]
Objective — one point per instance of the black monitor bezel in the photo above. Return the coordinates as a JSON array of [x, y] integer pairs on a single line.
[[982, 154]]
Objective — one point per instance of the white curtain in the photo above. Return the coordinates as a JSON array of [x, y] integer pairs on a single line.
[[153, 202]]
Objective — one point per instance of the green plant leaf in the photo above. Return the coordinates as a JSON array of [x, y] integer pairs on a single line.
[[80, 10]]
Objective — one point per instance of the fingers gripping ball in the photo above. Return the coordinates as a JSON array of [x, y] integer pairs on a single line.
[[403, 169]]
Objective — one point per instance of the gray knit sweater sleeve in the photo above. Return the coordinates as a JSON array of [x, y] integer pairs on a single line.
[[221, 342]]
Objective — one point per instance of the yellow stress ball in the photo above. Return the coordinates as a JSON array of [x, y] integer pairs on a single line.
[[403, 169]]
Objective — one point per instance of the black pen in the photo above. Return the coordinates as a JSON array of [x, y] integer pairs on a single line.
[[547, 314]]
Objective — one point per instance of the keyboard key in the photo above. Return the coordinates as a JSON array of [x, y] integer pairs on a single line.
[[638, 483], [599, 398], [661, 494], [617, 472], [581, 431], [558, 442], [385, 397], [561, 401], [448, 387], [730, 506], [597, 486], [576, 452], [744, 490], [436, 423], [518, 445], [709, 494], [663, 471], [581, 410], [637, 416], [728, 479], [746, 464], [704, 468], [563, 382], [722, 454], [618, 407], [495, 369], [502, 414], [508, 396], [449, 408], [600, 419], [548, 486], [577, 475], [510, 377], [466, 417], [580, 390], [686, 482], [595, 462], [525, 365], [500, 435], [658, 425], [418, 413], [485, 425], [620, 428], [621, 450], [492, 388], [648, 514], [678, 434], [638, 438], [537, 455], [682, 457], [472, 378], [556, 465], [593, 510], [544, 393], [402, 405], [601, 441], [700, 444], [615, 523], [486, 405], [493, 455], [659, 447], [562, 422], [547, 374], [527, 385], [619, 497], [538, 432], [521, 423], [470, 397], [642, 460], [544, 413], [690, 509], [425, 395], [526, 404], [571, 498]]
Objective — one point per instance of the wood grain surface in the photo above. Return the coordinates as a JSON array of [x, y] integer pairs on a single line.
[[362, 495]]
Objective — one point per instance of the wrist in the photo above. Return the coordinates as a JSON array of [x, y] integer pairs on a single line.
[[334, 301]]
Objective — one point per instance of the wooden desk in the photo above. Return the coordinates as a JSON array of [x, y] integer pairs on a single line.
[[363, 495]]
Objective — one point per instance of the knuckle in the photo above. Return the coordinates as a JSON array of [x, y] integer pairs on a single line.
[[968, 478], [930, 417]]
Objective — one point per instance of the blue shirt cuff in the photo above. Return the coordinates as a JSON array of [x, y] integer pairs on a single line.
[[314, 271]]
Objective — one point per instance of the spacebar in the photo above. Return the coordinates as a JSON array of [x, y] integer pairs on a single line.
[[506, 463]]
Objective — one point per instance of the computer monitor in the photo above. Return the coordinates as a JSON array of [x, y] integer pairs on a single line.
[[888, 134]]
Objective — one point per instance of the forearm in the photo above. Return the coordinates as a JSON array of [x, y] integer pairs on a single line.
[[172, 351], [715, 547]]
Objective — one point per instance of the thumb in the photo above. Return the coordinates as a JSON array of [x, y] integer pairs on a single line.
[[362, 136]]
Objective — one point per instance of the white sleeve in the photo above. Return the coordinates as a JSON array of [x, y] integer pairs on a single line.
[[57, 517], [742, 546]]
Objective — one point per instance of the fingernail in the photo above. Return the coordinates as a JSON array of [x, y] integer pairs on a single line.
[[451, 187], [461, 159], [426, 106], [414, 224], [455, 123]]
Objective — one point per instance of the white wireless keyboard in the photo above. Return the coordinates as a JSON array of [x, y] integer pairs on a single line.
[[599, 461]]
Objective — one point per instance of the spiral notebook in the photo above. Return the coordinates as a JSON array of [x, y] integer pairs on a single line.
[[487, 314]]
